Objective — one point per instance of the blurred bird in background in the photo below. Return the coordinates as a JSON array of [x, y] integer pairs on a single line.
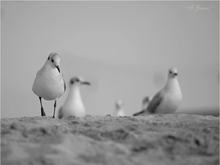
[[119, 108], [73, 105], [145, 102]]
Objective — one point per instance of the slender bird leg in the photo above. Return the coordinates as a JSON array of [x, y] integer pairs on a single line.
[[55, 104], [42, 109]]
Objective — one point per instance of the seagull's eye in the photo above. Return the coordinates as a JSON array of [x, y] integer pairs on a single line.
[[52, 60], [48, 58]]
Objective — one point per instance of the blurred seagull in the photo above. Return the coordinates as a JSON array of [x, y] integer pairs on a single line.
[[168, 99], [145, 102], [49, 83], [119, 108], [73, 105]]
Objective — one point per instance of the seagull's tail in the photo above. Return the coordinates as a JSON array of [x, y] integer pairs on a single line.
[[139, 113]]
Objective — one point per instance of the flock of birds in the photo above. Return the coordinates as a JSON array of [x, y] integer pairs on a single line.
[[49, 84]]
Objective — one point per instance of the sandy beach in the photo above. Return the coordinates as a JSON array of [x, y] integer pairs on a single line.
[[153, 140]]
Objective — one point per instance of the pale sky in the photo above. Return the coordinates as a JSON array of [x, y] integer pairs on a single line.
[[123, 48]]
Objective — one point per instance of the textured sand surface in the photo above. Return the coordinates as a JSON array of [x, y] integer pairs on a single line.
[[153, 140]]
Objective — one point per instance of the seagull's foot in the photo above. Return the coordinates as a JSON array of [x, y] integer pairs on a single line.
[[53, 116]]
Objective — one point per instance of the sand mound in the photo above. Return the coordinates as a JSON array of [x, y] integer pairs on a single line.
[[153, 140]]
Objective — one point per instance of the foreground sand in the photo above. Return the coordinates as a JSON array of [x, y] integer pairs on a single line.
[[152, 140]]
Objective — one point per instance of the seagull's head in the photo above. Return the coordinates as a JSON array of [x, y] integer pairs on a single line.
[[78, 81], [173, 72], [119, 104], [145, 100], [54, 60]]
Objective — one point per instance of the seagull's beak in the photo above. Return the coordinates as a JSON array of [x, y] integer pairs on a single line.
[[58, 68], [85, 83]]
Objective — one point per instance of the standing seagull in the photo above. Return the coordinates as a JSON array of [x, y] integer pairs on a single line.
[[49, 83], [168, 99], [73, 105], [119, 108]]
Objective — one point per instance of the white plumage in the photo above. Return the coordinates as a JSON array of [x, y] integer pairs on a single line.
[[119, 108], [73, 105], [168, 99], [49, 83]]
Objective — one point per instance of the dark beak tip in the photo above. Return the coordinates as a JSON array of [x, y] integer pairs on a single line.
[[86, 83], [58, 68]]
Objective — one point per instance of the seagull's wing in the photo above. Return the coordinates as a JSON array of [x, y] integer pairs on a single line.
[[155, 102], [139, 113], [64, 85], [64, 82], [60, 114]]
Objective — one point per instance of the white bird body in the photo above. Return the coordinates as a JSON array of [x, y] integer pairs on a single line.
[[119, 108], [172, 97], [49, 83], [73, 105], [120, 113]]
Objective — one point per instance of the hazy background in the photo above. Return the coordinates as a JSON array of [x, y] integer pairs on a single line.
[[123, 48]]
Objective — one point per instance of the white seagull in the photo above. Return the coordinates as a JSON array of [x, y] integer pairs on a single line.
[[168, 99], [119, 108], [49, 83], [73, 105]]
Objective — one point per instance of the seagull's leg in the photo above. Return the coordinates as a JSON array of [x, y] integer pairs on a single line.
[[42, 109], [55, 104]]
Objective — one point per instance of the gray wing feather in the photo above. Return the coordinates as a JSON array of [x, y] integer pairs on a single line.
[[154, 103], [139, 113], [64, 85]]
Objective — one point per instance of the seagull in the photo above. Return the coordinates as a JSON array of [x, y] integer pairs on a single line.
[[73, 105], [145, 102], [49, 83], [168, 99], [119, 106]]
